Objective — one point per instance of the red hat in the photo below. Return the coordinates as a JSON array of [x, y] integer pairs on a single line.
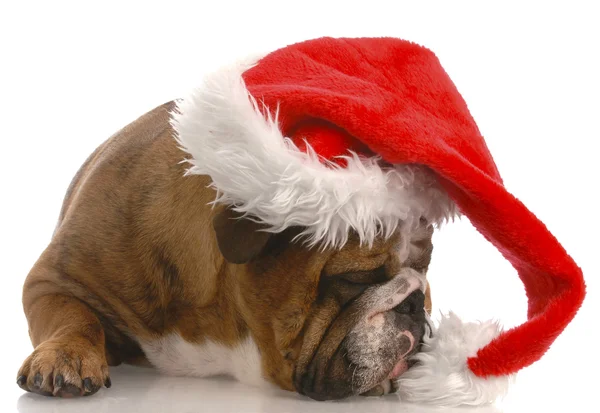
[[370, 135]]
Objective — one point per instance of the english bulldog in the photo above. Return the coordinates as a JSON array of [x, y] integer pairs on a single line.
[[143, 269]]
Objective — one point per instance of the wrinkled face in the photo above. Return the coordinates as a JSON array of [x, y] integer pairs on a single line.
[[367, 319], [335, 323]]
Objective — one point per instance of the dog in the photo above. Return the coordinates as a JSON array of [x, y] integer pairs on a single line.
[[143, 269]]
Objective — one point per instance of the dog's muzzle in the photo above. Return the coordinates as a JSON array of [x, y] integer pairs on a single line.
[[369, 343]]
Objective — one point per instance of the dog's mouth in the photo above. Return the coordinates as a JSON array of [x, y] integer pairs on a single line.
[[368, 363], [389, 385], [403, 363]]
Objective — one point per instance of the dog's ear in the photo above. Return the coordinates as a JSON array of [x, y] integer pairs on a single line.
[[240, 239]]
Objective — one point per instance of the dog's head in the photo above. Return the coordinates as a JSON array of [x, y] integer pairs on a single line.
[[329, 323]]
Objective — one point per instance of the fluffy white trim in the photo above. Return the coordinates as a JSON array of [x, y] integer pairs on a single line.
[[442, 377], [264, 175]]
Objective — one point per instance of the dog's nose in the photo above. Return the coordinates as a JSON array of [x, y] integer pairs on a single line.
[[413, 304]]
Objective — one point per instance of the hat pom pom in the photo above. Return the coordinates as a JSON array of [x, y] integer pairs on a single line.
[[442, 376]]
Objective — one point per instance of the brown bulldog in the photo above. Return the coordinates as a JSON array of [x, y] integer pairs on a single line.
[[142, 269]]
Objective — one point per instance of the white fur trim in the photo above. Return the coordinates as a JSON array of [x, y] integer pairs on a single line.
[[264, 175], [442, 377]]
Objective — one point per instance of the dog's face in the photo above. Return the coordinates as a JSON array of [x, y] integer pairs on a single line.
[[333, 323]]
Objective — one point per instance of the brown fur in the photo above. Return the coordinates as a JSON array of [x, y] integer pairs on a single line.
[[135, 256]]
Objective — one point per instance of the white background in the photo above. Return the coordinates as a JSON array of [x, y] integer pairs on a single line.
[[72, 74]]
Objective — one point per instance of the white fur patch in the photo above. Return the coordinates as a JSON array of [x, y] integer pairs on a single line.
[[263, 174], [442, 376], [174, 356]]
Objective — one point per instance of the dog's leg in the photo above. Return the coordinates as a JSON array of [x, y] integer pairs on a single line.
[[69, 356]]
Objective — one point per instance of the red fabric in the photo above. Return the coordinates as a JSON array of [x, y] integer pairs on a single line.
[[332, 141], [395, 98]]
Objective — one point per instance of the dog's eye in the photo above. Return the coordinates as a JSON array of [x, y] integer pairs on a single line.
[[365, 277]]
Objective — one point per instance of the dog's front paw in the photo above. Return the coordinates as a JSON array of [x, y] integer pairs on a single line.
[[64, 368]]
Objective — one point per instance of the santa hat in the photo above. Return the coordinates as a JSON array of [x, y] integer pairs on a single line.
[[370, 135]]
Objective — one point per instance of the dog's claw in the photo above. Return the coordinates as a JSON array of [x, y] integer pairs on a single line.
[[108, 383], [21, 380], [87, 384], [59, 381], [37, 380], [89, 387]]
